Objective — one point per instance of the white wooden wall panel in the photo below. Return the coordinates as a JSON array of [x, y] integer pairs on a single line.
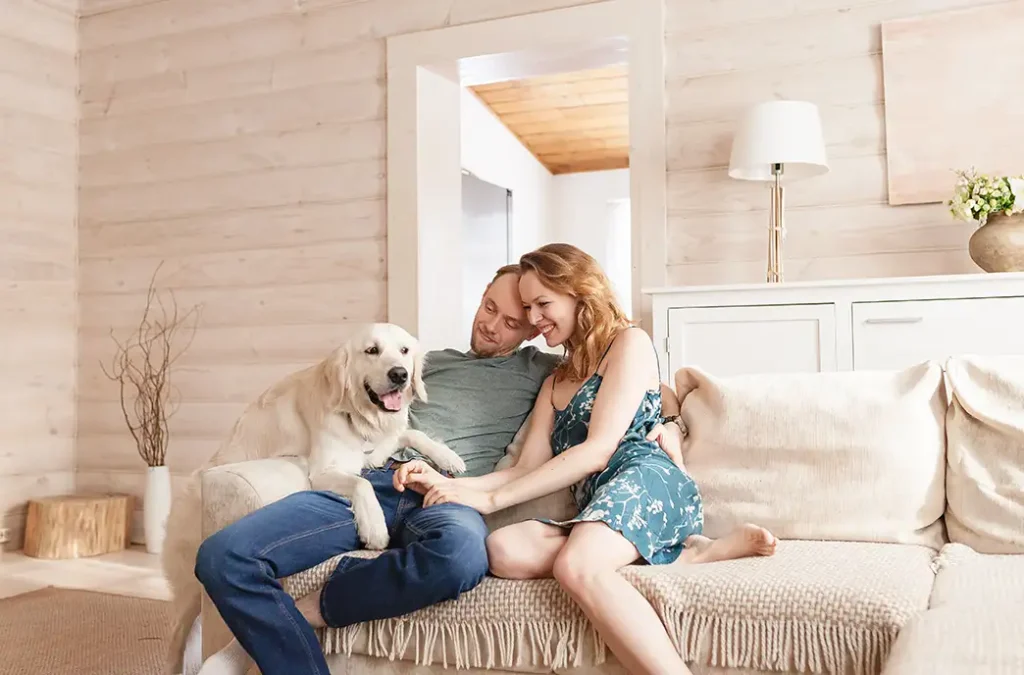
[[729, 54], [38, 173], [931, 63]]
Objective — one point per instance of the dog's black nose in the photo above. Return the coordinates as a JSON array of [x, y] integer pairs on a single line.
[[398, 375]]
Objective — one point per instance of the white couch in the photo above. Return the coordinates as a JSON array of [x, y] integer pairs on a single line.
[[898, 498]]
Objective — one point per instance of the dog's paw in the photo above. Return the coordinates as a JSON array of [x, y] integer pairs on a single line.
[[372, 530], [375, 539], [448, 460]]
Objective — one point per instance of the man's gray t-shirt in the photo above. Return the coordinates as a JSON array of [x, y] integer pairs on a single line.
[[477, 404]]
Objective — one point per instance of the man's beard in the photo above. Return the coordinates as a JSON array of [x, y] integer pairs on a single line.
[[481, 347], [475, 345]]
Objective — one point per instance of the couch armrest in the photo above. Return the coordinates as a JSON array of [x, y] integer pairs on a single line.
[[231, 491]]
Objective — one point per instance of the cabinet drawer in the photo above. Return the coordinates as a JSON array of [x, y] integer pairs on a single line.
[[746, 340], [893, 335]]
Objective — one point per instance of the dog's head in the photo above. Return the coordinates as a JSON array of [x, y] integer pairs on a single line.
[[380, 368]]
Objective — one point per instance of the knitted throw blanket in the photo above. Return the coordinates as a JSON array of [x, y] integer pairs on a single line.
[[813, 607]]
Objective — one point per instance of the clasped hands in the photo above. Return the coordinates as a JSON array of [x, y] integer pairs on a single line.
[[421, 477]]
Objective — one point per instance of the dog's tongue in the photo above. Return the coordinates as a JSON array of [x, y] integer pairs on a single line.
[[392, 401]]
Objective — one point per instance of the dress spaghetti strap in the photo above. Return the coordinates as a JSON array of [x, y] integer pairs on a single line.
[[606, 350], [601, 360]]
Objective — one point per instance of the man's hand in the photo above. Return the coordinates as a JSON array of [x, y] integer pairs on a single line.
[[418, 476], [670, 438], [451, 492]]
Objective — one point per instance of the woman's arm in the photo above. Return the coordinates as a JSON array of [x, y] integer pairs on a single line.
[[626, 379], [669, 401], [669, 436]]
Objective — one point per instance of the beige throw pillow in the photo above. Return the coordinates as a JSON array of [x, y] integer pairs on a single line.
[[856, 456], [985, 476]]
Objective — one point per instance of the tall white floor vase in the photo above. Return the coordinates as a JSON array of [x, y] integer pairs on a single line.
[[155, 507]]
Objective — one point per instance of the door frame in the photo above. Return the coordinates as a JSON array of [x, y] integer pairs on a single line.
[[419, 202]]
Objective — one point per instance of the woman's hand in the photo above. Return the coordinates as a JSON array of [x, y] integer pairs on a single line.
[[418, 476], [670, 438], [450, 492]]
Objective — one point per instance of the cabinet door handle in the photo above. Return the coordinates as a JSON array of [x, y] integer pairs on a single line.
[[895, 319]]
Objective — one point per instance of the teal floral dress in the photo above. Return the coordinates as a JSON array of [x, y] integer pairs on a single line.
[[642, 494]]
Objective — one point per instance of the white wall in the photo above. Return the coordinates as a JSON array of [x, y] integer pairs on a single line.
[[492, 153], [486, 229], [440, 190], [591, 211]]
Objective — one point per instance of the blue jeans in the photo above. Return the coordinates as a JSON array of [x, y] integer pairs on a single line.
[[436, 554]]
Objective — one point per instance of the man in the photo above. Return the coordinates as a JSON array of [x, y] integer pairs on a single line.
[[478, 401]]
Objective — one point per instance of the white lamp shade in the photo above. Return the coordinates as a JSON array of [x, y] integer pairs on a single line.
[[779, 132]]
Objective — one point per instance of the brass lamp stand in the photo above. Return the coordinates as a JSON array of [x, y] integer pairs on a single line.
[[776, 229]]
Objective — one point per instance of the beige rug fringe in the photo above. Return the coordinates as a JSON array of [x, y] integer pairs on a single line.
[[779, 645], [755, 644], [558, 644]]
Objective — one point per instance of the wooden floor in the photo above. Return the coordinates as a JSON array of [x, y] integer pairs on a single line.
[[133, 572]]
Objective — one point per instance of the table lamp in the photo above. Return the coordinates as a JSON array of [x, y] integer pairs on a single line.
[[777, 142]]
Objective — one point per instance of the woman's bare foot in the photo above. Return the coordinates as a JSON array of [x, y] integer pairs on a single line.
[[743, 542]]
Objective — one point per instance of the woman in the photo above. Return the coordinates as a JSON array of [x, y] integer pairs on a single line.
[[590, 430]]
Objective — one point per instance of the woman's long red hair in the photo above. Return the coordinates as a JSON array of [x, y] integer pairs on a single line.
[[566, 269]]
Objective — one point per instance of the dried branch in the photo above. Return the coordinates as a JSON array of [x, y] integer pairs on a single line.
[[141, 366]]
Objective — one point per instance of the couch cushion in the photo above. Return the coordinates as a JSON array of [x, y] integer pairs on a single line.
[[847, 456], [813, 607], [975, 622], [985, 478], [961, 640], [966, 577]]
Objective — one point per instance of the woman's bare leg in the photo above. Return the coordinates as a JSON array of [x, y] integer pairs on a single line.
[[526, 550], [743, 542], [587, 569]]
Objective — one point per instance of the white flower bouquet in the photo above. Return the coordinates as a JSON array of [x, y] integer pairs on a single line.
[[977, 197]]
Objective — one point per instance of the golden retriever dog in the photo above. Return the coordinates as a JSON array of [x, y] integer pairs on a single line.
[[347, 412]]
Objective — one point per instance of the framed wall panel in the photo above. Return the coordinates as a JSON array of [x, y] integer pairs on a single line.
[[954, 98]]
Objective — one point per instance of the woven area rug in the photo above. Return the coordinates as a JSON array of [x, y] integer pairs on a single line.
[[56, 631]]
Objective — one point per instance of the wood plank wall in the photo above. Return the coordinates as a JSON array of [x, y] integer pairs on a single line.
[[242, 142], [38, 144], [724, 55]]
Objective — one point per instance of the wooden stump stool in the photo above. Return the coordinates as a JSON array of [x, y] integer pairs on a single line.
[[77, 526]]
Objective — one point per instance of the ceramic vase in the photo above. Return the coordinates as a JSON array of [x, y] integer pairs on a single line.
[[155, 507], [998, 245]]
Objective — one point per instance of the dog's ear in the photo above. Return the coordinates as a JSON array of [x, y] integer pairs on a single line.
[[333, 385], [418, 387]]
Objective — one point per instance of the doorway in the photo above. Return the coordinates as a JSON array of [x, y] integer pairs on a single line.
[[560, 139], [486, 240], [427, 75]]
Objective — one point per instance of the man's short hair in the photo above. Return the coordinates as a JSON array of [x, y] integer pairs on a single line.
[[514, 268]]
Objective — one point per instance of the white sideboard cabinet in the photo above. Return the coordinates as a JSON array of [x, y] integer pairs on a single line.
[[862, 324]]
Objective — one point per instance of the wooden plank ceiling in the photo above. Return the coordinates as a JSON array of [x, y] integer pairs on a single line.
[[571, 122]]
